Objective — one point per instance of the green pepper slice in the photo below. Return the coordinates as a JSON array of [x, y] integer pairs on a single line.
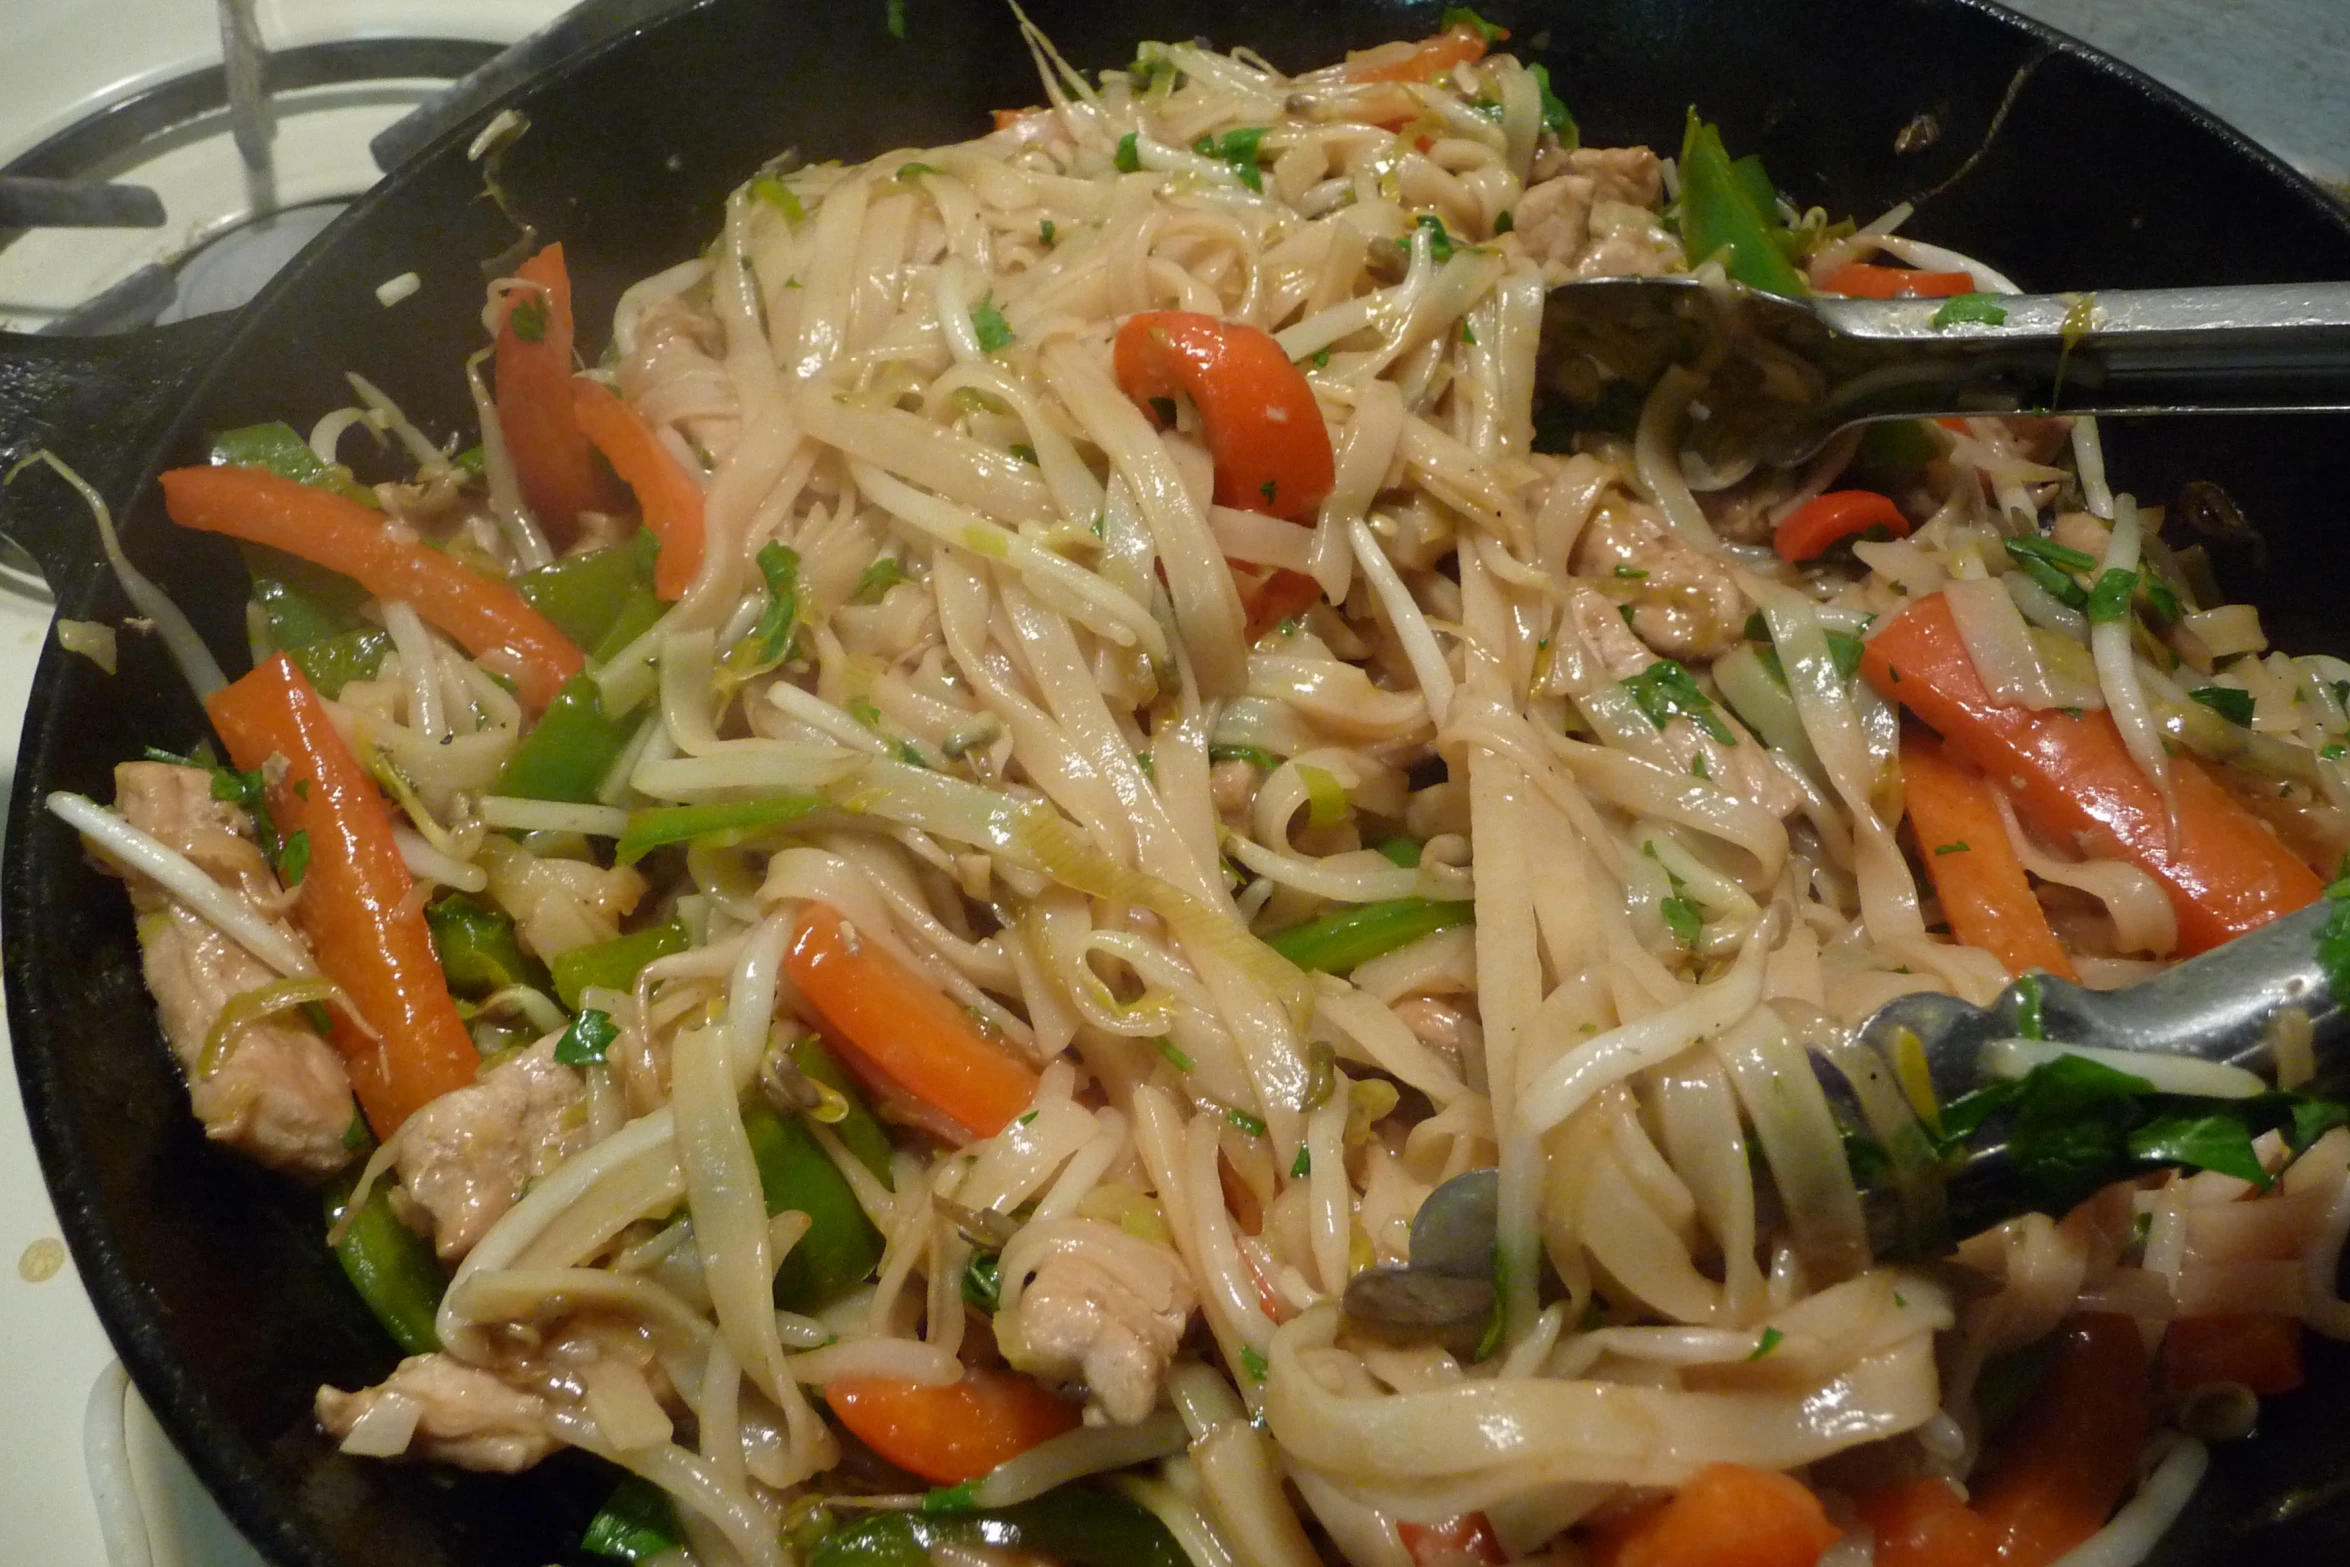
[[585, 595], [841, 1246], [1337, 943], [859, 1130], [391, 1266], [613, 964], [1720, 214], [1081, 1525], [571, 749], [479, 950], [279, 447], [729, 821]]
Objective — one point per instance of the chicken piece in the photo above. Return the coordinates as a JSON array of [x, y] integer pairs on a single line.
[[1685, 604], [279, 1093], [1744, 769], [465, 1415], [1592, 213], [1077, 1321], [465, 1158], [1632, 175]]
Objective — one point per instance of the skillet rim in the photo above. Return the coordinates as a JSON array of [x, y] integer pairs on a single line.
[[231, 1469]]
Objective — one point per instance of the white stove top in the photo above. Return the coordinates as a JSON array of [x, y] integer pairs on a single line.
[[61, 58]]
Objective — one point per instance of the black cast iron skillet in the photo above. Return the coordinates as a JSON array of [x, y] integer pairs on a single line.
[[210, 1274]]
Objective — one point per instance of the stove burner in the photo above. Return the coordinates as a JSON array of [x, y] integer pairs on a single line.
[[224, 233]]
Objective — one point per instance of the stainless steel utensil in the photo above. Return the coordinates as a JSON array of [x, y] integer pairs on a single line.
[[2264, 348], [2231, 1006]]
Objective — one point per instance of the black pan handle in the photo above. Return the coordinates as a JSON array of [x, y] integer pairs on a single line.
[[101, 404]]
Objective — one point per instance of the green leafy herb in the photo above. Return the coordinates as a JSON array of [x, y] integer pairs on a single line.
[[2218, 1141], [1969, 310], [587, 1040], [983, 1281], [907, 171], [1303, 1165], [1951, 848], [2050, 564], [1440, 245], [2230, 703], [1268, 489], [1044, 230], [1245, 1123], [1665, 691], [529, 318], [2034, 547], [1174, 1054], [1555, 117], [2109, 600], [1237, 148], [1683, 919], [2161, 602], [1129, 154], [293, 858], [989, 326], [637, 1523], [874, 583], [1321, 359], [1630, 573], [2333, 942], [1252, 1361], [1503, 222], [2332, 751], [1468, 333], [1770, 1340], [1462, 16], [473, 460]]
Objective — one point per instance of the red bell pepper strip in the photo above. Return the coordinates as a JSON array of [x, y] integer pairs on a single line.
[[1422, 61], [1728, 1515], [669, 497], [1271, 448], [2074, 782], [551, 457], [952, 1432], [1281, 594], [1964, 844], [355, 906], [1922, 1523], [2262, 1351], [1861, 280], [1465, 1541], [2060, 1472], [1825, 521], [903, 1028], [489, 618]]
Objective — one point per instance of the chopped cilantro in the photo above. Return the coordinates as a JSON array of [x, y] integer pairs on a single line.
[[293, 858], [1952, 848], [1439, 242], [989, 326], [1252, 1361], [983, 1281], [1630, 573], [587, 1040], [528, 318], [907, 171], [1665, 691], [1248, 1125], [2333, 752], [1503, 222], [1044, 230], [2230, 703], [1770, 1340], [1969, 310], [1303, 1165], [1129, 154], [1267, 490]]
